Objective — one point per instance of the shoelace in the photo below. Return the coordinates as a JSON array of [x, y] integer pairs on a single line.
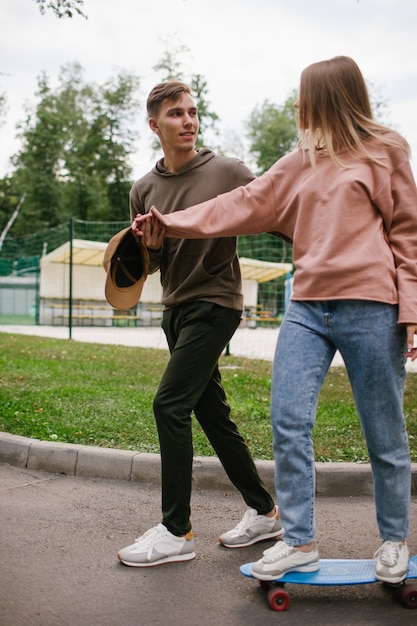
[[279, 550], [389, 553], [248, 517], [147, 541]]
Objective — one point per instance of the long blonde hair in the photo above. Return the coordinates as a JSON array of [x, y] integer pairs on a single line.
[[334, 111]]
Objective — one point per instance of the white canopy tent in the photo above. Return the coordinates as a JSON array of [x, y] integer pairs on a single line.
[[254, 272], [88, 275], [88, 278]]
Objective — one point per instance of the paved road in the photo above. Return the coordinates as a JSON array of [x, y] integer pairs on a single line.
[[59, 536]]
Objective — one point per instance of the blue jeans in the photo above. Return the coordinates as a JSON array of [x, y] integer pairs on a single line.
[[373, 347]]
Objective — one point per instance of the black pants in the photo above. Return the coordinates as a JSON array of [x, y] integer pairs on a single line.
[[197, 334]]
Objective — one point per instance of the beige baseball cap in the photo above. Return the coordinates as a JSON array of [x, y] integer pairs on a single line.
[[126, 261]]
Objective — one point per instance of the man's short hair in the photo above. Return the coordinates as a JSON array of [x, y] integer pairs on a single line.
[[170, 90]]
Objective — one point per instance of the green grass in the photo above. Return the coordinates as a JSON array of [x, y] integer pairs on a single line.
[[102, 395]]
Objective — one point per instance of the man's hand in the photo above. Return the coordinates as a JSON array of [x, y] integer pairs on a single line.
[[150, 229]]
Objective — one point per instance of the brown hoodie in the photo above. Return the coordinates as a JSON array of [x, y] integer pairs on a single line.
[[194, 270]]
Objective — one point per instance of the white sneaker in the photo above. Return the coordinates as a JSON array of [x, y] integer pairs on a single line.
[[391, 561], [251, 529], [158, 546], [281, 559]]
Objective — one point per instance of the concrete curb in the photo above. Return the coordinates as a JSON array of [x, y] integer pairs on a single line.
[[332, 479]]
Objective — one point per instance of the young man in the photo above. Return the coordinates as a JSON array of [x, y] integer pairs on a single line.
[[203, 302]]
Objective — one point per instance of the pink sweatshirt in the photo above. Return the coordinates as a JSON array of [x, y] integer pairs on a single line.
[[354, 229]]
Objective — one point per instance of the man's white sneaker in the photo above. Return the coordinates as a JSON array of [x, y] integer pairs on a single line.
[[158, 546], [251, 529], [281, 559], [391, 561]]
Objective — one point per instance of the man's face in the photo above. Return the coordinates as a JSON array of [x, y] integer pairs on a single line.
[[176, 124]]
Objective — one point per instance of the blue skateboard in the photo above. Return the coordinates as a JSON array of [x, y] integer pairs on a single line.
[[334, 572]]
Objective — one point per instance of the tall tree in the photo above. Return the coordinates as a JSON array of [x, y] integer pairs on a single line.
[[272, 128], [272, 132], [208, 118], [75, 152], [36, 173]]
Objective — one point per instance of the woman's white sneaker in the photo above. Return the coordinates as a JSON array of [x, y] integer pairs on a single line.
[[391, 561]]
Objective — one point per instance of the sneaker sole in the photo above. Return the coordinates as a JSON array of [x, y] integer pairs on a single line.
[[169, 559], [265, 537], [309, 567], [391, 581]]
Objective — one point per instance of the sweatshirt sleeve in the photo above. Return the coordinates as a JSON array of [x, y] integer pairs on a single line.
[[401, 223], [247, 210]]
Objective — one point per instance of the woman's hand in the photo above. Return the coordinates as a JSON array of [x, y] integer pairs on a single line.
[[411, 350]]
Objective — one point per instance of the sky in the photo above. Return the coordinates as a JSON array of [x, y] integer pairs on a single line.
[[247, 51]]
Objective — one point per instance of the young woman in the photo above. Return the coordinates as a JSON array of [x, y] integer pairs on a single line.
[[348, 200]]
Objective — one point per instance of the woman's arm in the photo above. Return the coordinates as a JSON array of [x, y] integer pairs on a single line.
[[246, 210]]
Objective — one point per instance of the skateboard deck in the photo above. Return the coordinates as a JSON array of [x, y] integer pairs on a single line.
[[334, 572]]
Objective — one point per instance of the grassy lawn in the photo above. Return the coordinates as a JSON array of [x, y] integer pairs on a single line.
[[102, 395]]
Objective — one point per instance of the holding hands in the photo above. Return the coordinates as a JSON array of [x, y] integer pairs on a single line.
[[150, 229]]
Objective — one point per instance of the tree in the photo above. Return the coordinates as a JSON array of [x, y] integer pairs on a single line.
[[208, 119], [61, 8], [272, 128], [3, 105], [36, 165], [11, 221], [75, 152], [169, 64], [272, 132], [379, 105]]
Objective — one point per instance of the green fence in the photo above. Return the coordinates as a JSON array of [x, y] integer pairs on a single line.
[[23, 301]]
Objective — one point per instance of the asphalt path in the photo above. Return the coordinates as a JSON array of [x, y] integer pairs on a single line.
[[59, 536]]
